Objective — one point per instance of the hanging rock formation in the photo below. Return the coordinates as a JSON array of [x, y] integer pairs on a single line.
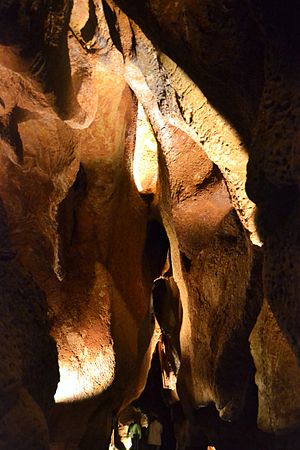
[[149, 184]]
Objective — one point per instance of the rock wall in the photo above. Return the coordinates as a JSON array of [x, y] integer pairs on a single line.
[[144, 141], [29, 371]]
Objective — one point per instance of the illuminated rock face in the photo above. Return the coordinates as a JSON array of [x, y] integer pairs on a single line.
[[123, 160]]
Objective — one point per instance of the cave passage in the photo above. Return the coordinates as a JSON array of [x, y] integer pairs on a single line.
[[149, 224]]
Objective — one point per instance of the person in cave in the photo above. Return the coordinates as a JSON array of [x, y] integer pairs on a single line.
[[135, 432], [154, 433]]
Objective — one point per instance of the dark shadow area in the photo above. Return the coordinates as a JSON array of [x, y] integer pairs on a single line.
[[155, 249], [67, 218], [154, 399], [235, 435], [276, 207], [89, 29], [186, 262], [57, 68], [65, 418], [112, 23], [12, 31]]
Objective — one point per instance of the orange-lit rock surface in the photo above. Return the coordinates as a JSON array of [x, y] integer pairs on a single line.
[[146, 140]]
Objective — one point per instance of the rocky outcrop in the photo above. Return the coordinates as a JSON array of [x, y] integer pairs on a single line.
[[150, 143]]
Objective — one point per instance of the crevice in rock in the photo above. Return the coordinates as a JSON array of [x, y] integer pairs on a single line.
[[89, 29], [186, 262], [67, 220], [113, 24], [155, 249]]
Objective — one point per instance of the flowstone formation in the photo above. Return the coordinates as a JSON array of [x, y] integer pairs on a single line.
[[149, 182]]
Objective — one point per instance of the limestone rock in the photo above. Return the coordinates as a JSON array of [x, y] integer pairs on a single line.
[[149, 143]]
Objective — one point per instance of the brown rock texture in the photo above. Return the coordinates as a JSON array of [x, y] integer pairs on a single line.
[[29, 372], [149, 148], [275, 361]]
